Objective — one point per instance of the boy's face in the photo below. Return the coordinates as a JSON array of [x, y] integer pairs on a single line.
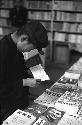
[[23, 44]]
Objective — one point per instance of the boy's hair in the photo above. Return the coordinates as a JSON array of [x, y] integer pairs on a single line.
[[37, 33]]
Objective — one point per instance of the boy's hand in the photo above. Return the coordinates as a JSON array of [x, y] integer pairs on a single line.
[[31, 82]]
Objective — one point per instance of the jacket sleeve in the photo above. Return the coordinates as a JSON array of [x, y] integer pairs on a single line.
[[24, 69], [2, 62]]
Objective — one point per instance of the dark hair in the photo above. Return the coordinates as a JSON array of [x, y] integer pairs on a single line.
[[36, 32], [21, 31]]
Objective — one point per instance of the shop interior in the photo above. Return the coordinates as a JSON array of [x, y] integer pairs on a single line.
[[63, 21]]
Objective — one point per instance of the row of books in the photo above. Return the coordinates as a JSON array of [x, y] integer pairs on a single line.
[[70, 27], [64, 27], [7, 3], [70, 38], [39, 15], [4, 31], [60, 16], [66, 16], [61, 5], [38, 4], [67, 5], [3, 22], [4, 13], [57, 5], [51, 117]]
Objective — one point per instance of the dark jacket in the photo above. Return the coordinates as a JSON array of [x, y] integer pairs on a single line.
[[12, 70]]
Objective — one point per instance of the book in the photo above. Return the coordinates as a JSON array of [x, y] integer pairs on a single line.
[[59, 36], [36, 109], [73, 27], [77, 67], [20, 117], [41, 121], [59, 26], [70, 101], [80, 82], [79, 28], [68, 82], [71, 119], [60, 88], [39, 72], [48, 98], [63, 5], [72, 38], [30, 54], [69, 79], [78, 17], [72, 75], [66, 27], [52, 116]]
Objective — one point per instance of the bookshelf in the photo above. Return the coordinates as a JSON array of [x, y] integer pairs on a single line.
[[61, 18], [37, 10], [63, 21], [67, 28], [5, 27]]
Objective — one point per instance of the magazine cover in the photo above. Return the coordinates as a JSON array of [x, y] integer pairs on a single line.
[[71, 119], [36, 109], [70, 101], [41, 121], [69, 82], [60, 88], [48, 98], [52, 116], [20, 117]]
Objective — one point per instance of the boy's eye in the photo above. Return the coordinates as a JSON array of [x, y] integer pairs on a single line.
[[24, 39]]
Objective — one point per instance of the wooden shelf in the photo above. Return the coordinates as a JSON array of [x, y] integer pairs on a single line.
[[65, 21], [77, 33], [39, 9], [61, 43], [69, 11]]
